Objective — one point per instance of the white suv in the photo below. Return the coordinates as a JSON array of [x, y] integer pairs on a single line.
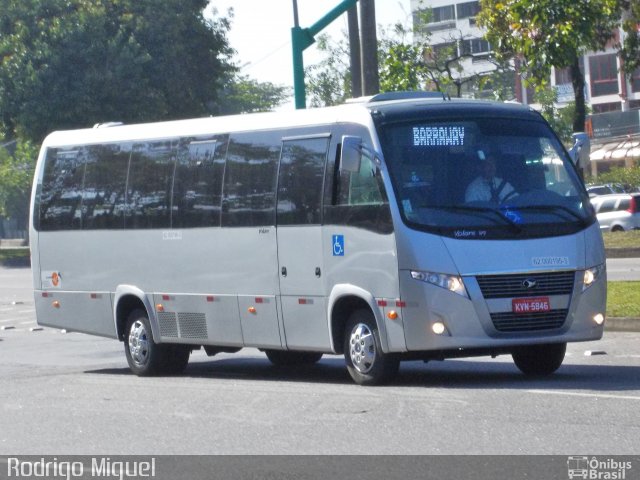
[[617, 212]]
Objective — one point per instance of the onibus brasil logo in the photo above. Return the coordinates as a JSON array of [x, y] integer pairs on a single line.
[[597, 469]]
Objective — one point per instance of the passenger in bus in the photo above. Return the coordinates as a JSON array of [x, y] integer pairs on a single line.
[[487, 187]]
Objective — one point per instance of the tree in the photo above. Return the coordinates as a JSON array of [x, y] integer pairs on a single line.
[[546, 33], [630, 52], [72, 63], [246, 95], [16, 175], [407, 65]]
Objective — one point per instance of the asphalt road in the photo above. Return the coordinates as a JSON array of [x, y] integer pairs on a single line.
[[73, 394], [63, 394]]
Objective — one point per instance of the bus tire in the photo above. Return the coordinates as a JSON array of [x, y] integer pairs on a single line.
[[285, 358], [366, 362], [539, 360], [144, 356]]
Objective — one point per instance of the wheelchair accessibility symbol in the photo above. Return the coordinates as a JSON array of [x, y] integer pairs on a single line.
[[338, 245]]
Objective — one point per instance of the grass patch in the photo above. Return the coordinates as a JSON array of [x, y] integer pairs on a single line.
[[623, 299], [629, 239], [14, 256]]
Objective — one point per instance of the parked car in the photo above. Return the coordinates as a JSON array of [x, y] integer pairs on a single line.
[[606, 189], [617, 212]]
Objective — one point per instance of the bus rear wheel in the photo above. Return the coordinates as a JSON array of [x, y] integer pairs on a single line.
[[366, 362], [539, 360], [144, 356], [285, 358]]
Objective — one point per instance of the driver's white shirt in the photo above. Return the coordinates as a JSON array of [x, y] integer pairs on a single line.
[[479, 190]]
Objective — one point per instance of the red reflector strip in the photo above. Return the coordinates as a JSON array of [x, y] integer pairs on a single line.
[[166, 297], [94, 296], [302, 301], [382, 303], [211, 298], [400, 304], [45, 294], [259, 300]]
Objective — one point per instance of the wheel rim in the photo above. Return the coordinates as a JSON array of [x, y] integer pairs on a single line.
[[139, 343], [362, 348]]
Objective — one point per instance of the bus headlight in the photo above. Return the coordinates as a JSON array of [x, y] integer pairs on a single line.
[[452, 283], [591, 275]]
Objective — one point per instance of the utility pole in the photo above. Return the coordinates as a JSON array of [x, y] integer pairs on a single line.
[[303, 38], [355, 61], [370, 78]]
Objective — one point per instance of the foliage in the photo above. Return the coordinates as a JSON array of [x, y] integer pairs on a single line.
[[560, 119], [16, 174], [405, 64], [71, 63], [245, 95], [546, 33], [630, 53], [329, 82], [629, 177]]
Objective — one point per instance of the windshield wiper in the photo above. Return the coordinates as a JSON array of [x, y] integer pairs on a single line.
[[495, 214], [554, 209]]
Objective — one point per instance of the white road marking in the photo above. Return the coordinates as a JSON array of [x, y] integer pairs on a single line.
[[588, 395]]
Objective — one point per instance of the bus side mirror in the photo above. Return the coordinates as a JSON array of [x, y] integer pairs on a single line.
[[351, 154], [581, 149]]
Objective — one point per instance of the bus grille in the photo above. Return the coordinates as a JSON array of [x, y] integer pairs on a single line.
[[530, 322], [508, 286], [183, 325]]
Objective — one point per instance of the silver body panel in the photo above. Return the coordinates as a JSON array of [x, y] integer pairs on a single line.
[[226, 287]]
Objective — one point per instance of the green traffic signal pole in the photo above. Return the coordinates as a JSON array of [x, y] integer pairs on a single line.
[[303, 38]]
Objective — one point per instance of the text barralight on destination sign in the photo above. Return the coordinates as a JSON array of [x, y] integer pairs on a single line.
[[438, 136]]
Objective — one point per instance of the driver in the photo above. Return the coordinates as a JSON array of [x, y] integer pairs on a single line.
[[486, 187]]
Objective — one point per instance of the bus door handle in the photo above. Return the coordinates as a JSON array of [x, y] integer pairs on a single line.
[[318, 272], [284, 271]]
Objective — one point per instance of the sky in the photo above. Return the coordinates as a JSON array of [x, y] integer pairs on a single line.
[[261, 32]]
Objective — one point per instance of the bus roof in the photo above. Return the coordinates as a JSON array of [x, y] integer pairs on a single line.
[[358, 111]]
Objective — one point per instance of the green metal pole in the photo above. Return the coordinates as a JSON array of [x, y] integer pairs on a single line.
[[303, 38]]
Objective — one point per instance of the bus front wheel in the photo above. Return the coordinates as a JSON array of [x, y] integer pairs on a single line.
[[539, 360], [366, 362], [144, 356]]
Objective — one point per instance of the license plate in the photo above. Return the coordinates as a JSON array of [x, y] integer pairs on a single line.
[[530, 305]]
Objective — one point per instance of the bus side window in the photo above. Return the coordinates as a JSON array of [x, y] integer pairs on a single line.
[[61, 192], [105, 181], [248, 198], [148, 203], [300, 181], [197, 184], [362, 187], [357, 199]]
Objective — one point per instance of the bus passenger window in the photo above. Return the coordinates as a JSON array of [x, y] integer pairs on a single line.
[[300, 181]]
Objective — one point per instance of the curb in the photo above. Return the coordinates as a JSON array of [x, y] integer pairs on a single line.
[[622, 252], [622, 324]]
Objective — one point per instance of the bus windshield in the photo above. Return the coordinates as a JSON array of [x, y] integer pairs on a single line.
[[484, 178]]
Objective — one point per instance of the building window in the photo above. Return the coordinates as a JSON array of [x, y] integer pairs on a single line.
[[635, 81], [442, 14], [467, 9], [606, 107], [604, 75], [563, 76], [475, 46], [634, 104]]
